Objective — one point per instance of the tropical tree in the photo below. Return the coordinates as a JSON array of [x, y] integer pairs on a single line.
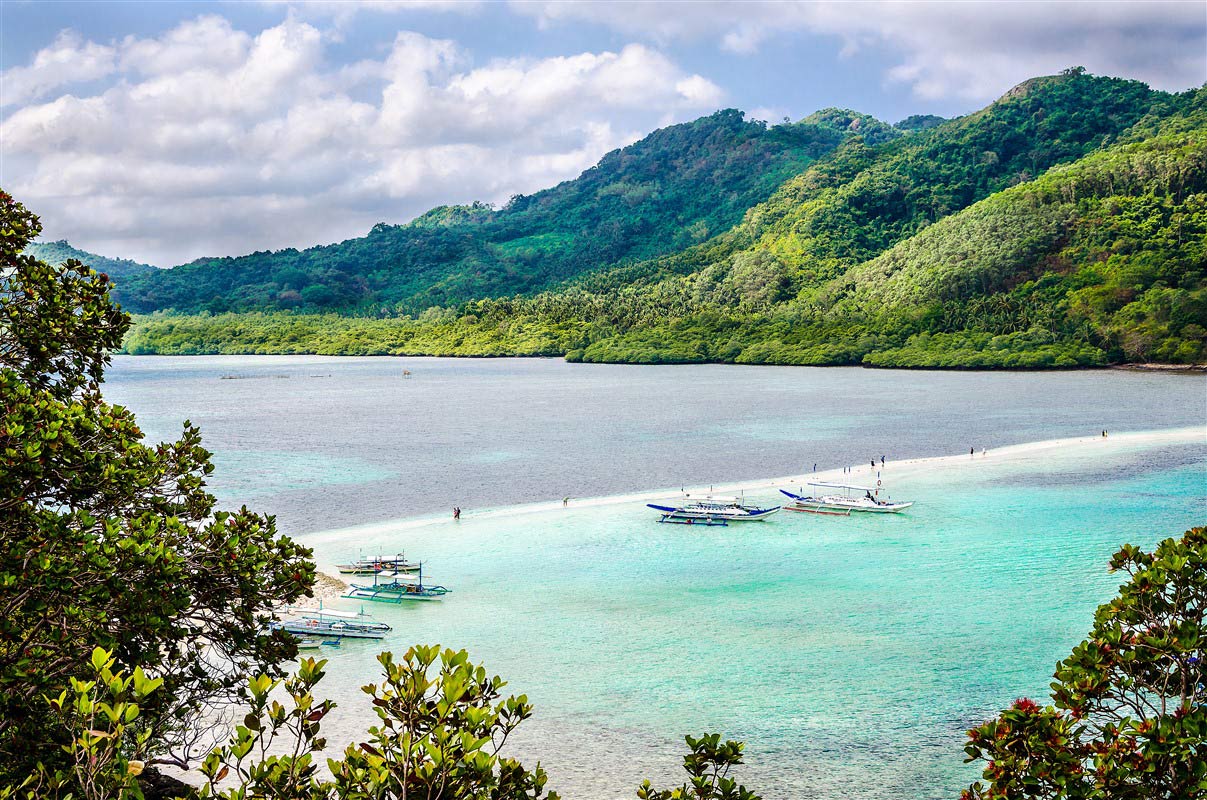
[[108, 541], [1128, 719], [707, 763], [441, 728]]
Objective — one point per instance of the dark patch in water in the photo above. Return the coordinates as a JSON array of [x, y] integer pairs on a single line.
[[1141, 464]]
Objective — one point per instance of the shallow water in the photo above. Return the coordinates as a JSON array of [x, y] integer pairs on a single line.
[[330, 442], [849, 653]]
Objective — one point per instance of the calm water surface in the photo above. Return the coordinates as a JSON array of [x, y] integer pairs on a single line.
[[331, 442], [849, 653]]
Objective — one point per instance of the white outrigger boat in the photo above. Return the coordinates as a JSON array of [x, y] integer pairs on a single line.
[[400, 586], [843, 504], [713, 511], [377, 564], [327, 624]]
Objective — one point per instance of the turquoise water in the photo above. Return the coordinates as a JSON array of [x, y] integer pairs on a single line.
[[849, 653]]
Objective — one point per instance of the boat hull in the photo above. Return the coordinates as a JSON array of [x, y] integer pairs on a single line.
[[839, 504], [335, 629], [396, 593], [393, 597], [822, 507]]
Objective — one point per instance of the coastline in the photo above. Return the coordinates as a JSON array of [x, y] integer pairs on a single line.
[[1153, 366], [903, 468]]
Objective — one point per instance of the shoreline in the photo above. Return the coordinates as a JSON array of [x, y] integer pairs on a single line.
[[901, 468], [1133, 367], [1154, 366]]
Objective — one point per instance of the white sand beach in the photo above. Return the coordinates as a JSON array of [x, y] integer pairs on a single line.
[[860, 472]]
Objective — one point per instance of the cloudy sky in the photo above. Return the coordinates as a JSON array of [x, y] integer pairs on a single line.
[[165, 131]]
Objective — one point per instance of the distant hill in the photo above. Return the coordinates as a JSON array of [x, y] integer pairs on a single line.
[[678, 186], [1063, 225], [60, 251]]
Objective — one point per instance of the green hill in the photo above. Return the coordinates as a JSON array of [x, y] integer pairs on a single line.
[[1063, 225], [60, 251], [677, 187]]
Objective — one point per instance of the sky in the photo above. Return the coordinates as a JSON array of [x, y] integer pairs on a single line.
[[168, 131]]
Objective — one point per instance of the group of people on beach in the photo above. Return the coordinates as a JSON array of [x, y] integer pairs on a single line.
[[849, 470]]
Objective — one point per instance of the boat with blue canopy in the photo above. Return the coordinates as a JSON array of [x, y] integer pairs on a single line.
[[712, 510]]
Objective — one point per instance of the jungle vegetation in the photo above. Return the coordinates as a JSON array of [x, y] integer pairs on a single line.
[[1061, 226], [59, 251], [677, 187]]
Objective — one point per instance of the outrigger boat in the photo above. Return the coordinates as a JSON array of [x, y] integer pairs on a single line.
[[306, 643], [372, 566], [331, 624], [843, 504], [713, 511], [401, 586]]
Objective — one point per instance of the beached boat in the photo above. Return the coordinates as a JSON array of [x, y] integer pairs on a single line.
[[397, 587], [327, 624], [372, 566], [711, 510], [852, 498]]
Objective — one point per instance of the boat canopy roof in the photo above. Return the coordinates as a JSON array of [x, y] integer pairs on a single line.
[[844, 486], [323, 612], [401, 576]]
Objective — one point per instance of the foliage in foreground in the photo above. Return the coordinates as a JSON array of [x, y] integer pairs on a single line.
[[106, 541], [442, 723], [1128, 719], [441, 727], [707, 764]]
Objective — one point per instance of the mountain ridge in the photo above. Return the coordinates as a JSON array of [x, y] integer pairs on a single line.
[[57, 252], [1060, 226], [677, 186]]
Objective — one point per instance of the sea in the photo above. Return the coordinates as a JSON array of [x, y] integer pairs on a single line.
[[850, 654]]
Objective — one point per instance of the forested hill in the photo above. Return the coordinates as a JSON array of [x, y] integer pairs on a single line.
[[1064, 225], [678, 186], [60, 251]]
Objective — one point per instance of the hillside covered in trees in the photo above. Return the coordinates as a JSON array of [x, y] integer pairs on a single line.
[[1063, 225], [59, 251], [677, 187]]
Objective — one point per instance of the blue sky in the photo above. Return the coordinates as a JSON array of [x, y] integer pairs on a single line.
[[167, 131]]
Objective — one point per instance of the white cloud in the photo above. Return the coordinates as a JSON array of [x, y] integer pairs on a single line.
[[67, 61], [210, 140], [967, 50], [341, 12], [206, 42]]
